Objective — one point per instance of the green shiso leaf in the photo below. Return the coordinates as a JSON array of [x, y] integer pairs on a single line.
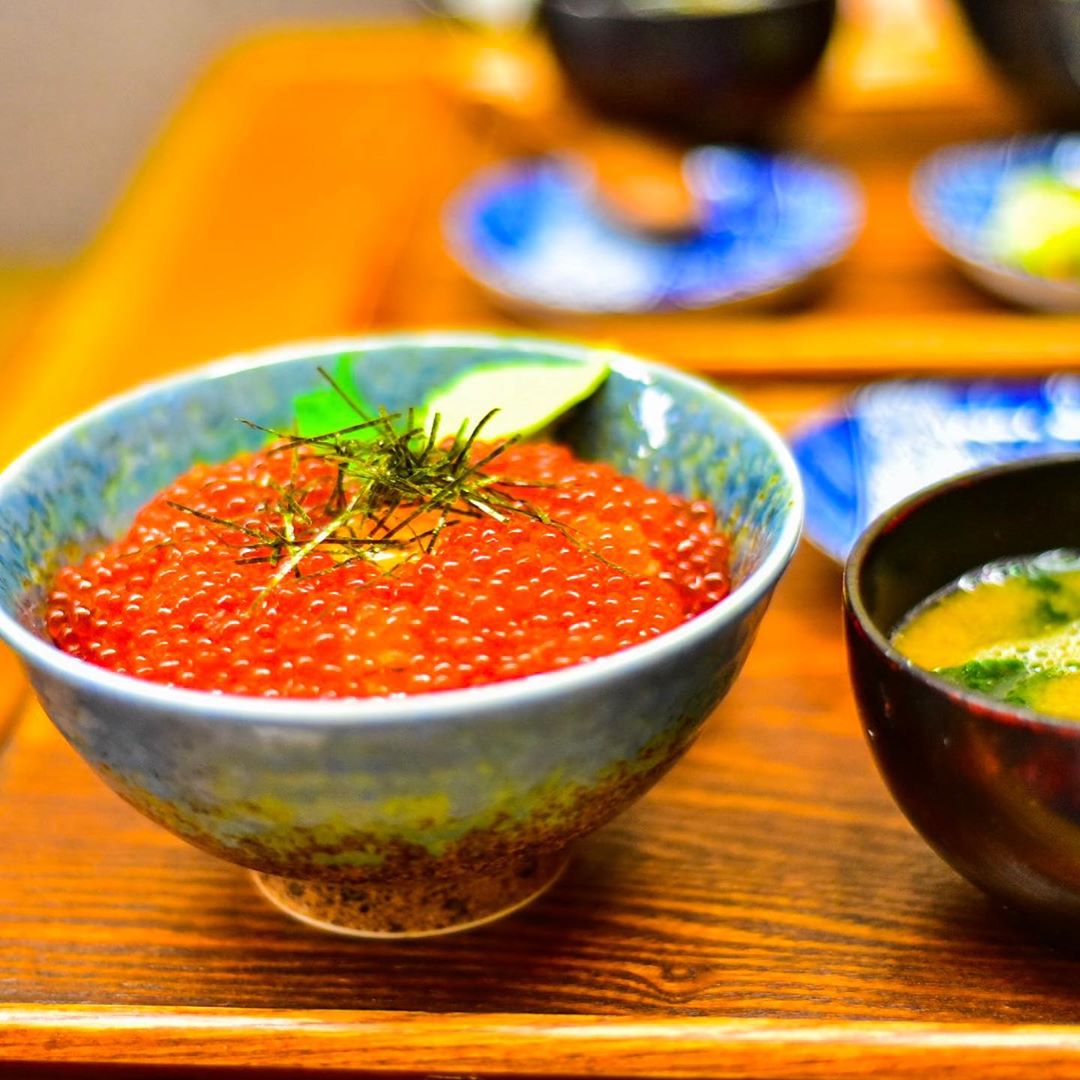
[[529, 396], [339, 405], [995, 676], [1007, 679]]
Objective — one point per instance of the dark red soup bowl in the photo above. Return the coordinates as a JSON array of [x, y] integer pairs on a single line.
[[994, 789]]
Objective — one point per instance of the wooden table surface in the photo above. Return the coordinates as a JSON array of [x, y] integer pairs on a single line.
[[765, 911]]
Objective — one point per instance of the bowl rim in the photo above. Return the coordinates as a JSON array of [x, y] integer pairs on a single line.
[[981, 705], [429, 706]]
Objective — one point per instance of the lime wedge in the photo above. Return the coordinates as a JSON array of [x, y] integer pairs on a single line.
[[529, 396]]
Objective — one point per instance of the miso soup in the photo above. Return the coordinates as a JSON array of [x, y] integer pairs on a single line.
[[1010, 630]]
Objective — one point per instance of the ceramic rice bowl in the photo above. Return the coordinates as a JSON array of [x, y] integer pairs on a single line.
[[411, 815]]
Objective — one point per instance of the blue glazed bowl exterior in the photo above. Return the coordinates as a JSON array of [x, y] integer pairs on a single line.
[[384, 789]]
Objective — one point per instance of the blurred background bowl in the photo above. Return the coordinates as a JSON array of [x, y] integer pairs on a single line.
[[959, 192], [994, 789], [722, 72], [1035, 44]]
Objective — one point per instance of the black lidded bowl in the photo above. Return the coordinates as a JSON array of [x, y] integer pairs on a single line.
[[994, 789], [1035, 44], [714, 72]]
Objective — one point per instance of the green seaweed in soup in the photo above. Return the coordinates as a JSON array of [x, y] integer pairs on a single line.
[[1010, 629]]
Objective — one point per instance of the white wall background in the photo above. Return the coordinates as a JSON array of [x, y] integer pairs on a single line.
[[85, 84]]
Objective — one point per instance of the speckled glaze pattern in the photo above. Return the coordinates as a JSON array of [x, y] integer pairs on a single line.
[[413, 908], [438, 787]]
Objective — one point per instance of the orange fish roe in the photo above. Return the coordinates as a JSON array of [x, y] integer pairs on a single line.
[[494, 600]]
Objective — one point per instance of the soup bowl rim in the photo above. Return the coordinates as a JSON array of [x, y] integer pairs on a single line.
[[860, 619]]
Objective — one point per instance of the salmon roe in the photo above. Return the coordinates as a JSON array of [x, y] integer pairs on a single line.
[[170, 601]]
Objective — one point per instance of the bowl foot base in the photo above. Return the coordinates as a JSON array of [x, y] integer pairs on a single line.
[[409, 909]]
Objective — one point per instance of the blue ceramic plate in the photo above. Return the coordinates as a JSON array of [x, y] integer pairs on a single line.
[[955, 192], [893, 438], [535, 235]]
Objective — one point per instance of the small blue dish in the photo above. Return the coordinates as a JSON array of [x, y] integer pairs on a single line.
[[955, 192], [893, 438], [535, 235]]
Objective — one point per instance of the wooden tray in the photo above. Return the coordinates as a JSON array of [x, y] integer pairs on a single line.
[[764, 912]]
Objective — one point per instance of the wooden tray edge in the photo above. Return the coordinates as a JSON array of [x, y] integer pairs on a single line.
[[525, 1045]]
